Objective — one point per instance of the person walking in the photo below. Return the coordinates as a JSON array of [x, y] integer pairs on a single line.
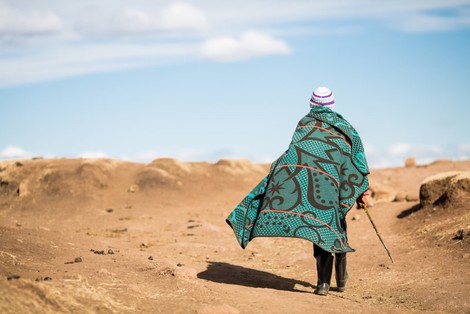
[[310, 189]]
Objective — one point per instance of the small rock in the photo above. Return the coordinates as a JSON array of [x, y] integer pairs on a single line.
[[110, 251], [400, 197], [166, 271], [150, 258], [459, 235], [144, 245], [412, 198], [109, 210], [78, 260], [193, 226], [13, 277], [18, 164], [179, 264], [66, 263], [410, 162], [43, 279], [370, 203], [22, 189], [356, 217], [382, 193], [118, 230], [133, 188]]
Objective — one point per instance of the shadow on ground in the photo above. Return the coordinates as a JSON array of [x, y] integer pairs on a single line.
[[410, 211], [238, 275]]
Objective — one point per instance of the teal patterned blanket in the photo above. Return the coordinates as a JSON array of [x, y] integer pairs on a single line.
[[310, 188]]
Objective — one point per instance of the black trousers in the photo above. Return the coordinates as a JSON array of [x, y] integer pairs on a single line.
[[325, 265], [319, 251]]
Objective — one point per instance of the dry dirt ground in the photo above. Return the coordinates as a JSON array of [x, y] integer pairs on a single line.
[[106, 236]]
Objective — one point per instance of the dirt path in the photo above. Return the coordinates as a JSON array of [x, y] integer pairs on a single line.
[[165, 248]]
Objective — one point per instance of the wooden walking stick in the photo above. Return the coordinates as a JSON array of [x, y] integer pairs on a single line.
[[377, 232]]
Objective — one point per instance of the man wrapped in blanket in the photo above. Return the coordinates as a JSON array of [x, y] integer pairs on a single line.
[[310, 189]]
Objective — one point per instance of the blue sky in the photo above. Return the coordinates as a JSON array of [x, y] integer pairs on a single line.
[[204, 80]]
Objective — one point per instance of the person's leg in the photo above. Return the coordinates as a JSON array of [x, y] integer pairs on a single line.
[[324, 269], [340, 271]]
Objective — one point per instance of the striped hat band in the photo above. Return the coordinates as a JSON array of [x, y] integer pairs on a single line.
[[322, 96]]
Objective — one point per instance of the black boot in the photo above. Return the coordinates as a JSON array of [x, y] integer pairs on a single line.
[[340, 271], [324, 270]]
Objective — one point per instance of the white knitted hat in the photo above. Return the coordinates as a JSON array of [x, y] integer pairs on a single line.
[[322, 97]]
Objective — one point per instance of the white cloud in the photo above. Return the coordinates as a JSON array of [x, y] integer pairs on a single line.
[[93, 154], [68, 60], [399, 149], [370, 149], [429, 150], [177, 18], [94, 36], [227, 17], [183, 16], [27, 23], [464, 151], [428, 23], [395, 154], [310, 14], [63, 61], [420, 151], [14, 152], [464, 148], [250, 44]]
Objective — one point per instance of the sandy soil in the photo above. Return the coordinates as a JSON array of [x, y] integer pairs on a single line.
[[105, 236]]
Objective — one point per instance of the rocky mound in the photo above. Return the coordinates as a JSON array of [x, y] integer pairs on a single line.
[[151, 177], [238, 166], [445, 189], [49, 178], [171, 166]]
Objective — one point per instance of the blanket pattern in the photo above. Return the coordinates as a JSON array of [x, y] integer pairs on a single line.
[[310, 188]]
